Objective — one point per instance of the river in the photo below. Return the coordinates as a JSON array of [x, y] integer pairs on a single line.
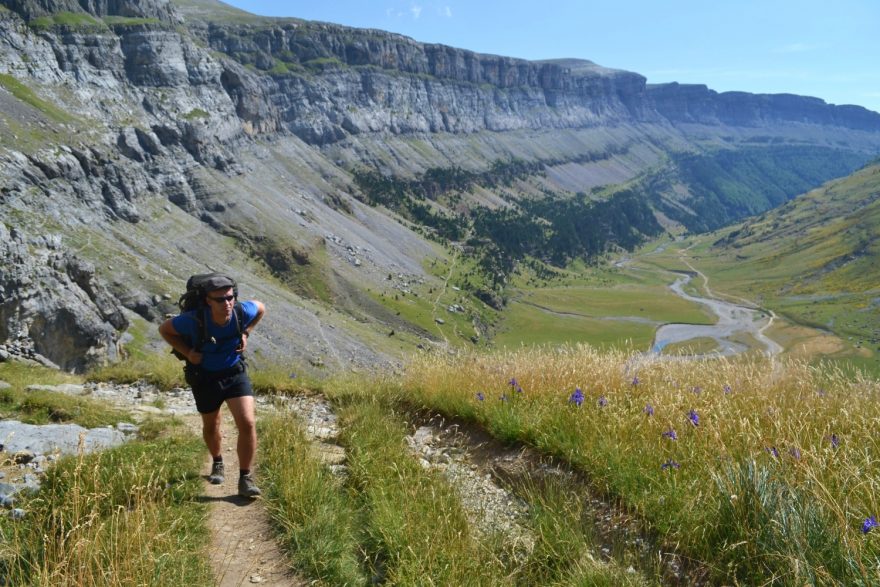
[[732, 319]]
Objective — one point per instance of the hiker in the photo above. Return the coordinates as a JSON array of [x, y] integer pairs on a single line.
[[211, 338]]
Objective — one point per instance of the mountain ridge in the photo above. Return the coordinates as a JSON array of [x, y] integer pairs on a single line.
[[129, 121]]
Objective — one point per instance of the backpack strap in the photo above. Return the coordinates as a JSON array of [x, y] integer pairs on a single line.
[[238, 311], [201, 318]]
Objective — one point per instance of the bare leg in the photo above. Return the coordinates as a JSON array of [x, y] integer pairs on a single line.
[[242, 409], [211, 432]]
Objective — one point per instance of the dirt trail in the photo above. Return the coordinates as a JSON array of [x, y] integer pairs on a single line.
[[243, 548], [440, 293]]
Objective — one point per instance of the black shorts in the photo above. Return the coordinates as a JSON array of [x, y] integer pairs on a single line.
[[211, 389]]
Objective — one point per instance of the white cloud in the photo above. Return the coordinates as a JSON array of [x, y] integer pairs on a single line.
[[416, 11]]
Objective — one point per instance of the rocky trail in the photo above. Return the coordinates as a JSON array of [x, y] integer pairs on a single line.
[[482, 471]]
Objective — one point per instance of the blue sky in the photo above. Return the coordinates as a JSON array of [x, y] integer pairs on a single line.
[[810, 47]]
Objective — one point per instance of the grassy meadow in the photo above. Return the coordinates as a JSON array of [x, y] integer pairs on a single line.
[[812, 262], [762, 469]]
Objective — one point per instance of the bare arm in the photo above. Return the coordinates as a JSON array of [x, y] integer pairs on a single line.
[[178, 343]]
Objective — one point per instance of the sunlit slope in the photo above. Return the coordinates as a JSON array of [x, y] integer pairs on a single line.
[[814, 260]]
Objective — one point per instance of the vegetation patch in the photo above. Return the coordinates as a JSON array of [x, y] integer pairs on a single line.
[[300, 269], [162, 370], [553, 229], [416, 527], [728, 185], [694, 346], [196, 114], [129, 513], [776, 449], [49, 407], [647, 302], [524, 324], [129, 21], [80, 21], [27, 95], [808, 261], [320, 64], [316, 517]]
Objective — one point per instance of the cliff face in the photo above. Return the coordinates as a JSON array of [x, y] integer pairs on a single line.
[[175, 131], [680, 103], [31, 9], [348, 81], [328, 82]]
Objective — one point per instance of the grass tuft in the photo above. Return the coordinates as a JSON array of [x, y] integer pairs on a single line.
[[314, 514], [126, 516]]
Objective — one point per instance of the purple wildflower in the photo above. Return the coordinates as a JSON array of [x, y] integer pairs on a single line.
[[514, 385], [697, 389], [292, 375], [602, 401], [649, 409], [868, 524], [670, 434], [772, 450], [694, 417], [577, 397], [727, 388], [795, 452], [635, 381], [670, 464], [835, 441], [480, 396]]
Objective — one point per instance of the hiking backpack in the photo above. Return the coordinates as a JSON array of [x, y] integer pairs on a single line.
[[193, 299]]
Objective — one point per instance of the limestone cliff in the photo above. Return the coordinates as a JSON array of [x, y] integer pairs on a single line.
[[155, 139]]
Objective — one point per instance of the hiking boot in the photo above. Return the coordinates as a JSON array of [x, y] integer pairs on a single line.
[[247, 487], [216, 477]]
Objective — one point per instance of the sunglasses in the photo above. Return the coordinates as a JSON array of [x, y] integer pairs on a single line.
[[221, 299]]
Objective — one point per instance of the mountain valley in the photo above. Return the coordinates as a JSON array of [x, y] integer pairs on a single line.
[[379, 194]]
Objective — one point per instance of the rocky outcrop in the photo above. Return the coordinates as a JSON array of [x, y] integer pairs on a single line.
[[53, 309], [694, 103], [157, 9], [327, 82]]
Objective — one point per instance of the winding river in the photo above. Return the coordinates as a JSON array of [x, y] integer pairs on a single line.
[[732, 319]]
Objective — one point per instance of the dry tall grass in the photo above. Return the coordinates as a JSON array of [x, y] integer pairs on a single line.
[[126, 516], [745, 444]]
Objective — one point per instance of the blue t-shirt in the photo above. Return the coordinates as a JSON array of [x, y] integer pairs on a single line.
[[219, 348]]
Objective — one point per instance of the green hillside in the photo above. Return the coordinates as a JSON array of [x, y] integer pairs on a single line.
[[709, 190], [813, 260]]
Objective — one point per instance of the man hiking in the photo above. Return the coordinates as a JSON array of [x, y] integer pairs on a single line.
[[211, 338]]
